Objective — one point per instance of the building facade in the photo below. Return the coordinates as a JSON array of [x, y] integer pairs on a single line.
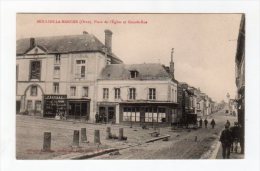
[[58, 75], [137, 94], [78, 77]]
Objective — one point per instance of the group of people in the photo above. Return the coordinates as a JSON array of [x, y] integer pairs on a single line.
[[229, 138], [212, 123]]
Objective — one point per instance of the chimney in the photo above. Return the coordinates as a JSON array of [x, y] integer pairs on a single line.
[[32, 42], [108, 40], [172, 64]]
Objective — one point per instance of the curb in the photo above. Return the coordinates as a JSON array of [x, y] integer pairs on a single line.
[[77, 156], [215, 152]]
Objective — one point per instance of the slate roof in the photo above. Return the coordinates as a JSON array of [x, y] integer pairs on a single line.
[[151, 71], [64, 44]]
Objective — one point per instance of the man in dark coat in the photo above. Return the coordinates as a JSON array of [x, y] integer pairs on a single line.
[[212, 123], [200, 123], [206, 123], [226, 140]]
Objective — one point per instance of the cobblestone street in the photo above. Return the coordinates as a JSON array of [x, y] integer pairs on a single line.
[[181, 144]]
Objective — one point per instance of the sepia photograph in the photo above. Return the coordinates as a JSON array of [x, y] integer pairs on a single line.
[[130, 86]]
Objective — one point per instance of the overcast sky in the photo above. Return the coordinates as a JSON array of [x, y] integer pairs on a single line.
[[205, 44]]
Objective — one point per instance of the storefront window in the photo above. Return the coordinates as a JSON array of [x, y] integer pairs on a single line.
[[161, 115], [131, 114]]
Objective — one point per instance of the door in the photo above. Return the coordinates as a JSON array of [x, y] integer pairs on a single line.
[[142, 115], [111, 114], [102, 114], [77, 111]]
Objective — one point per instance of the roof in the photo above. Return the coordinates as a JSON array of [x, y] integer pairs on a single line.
[[152, 71], [64, 44]]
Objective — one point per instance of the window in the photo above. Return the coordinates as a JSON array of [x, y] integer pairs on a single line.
[[80, 68], [198, 105], [56, 88], [117, 93], [133, 74], [57, 59], [56, 72], [105, 93], [29, 105], [85, 92], [152, 93], [72, 91], [161, 115], [131, 114], [38, 105], [33, 90], [35, 70], [132, 93]]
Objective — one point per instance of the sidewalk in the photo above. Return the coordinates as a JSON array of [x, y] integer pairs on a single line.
[[233, 155]]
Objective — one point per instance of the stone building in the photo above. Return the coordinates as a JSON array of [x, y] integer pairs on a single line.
[[58, 74], [79, 77], [137, 94]]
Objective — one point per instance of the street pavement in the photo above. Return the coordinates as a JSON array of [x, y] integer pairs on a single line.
[[182, 144]]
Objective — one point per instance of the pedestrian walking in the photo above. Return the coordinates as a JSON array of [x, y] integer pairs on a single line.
[[212, 123], [200, 123], [226, 140], [228, 123], [206, 123]]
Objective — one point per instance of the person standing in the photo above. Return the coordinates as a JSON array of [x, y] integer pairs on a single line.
[[226, 140], [206, 123], [200, 123], [212, 123]]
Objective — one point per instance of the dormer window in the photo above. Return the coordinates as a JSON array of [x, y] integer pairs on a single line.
[[134, 74]]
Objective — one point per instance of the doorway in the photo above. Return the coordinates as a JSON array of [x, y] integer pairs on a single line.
[[78, 110], [107, 114]]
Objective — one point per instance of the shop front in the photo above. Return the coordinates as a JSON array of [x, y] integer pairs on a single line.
[[78, 109], [54, 105], [106, 112], [147, 113]]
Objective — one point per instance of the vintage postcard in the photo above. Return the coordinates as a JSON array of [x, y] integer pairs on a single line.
[[130, 86]]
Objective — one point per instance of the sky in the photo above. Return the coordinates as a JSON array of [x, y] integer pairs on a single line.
[[204, 44]]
